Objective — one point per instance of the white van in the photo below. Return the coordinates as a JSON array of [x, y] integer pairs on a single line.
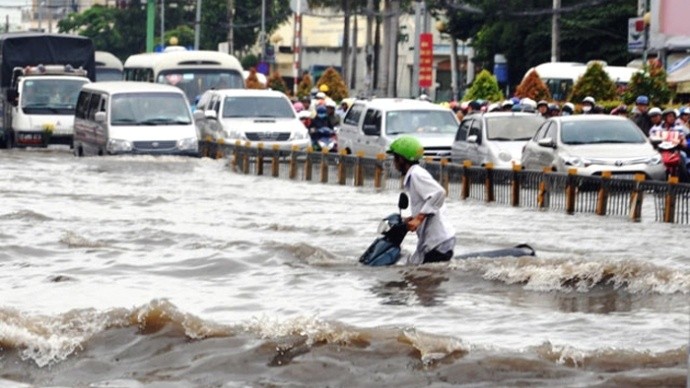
[[133, 118], [370, 126]]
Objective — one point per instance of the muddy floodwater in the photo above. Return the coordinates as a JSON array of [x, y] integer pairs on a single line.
[[177, 272]]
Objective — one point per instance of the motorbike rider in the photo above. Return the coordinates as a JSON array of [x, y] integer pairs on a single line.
[[641, 118], [568, 109], [670, 136], [654, 117], [588, 105], [543, 108], [436, 237], [320, 121]]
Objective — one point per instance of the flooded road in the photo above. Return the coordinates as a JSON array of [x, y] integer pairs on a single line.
[[140, 271]]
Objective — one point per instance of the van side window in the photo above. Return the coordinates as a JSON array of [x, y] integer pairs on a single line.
[[476, 129], [353, 115], [94, 105], [373, 117], [463, 129], [82, 105]]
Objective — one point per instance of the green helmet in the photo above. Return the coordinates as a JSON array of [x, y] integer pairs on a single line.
[[408, 147]]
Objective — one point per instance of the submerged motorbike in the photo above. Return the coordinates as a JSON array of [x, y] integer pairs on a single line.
[[324, 138], [385, 250]]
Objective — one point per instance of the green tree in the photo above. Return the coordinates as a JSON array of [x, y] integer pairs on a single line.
[[533, 87], [123, 31], [276, 82], [484, 87], [596, 83], [651, 82], [304, 86], [521, 30], [336, 87]]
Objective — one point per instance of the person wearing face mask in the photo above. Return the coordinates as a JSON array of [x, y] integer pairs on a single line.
[[588, 105], [320, 121]]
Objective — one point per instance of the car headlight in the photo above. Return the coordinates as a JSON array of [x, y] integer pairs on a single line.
[[576, 161], [654, 160], [299, 135], [189, 143], [505, 156], [118, 145]]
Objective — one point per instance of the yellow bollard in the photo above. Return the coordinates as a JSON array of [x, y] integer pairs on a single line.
[[603, 193], [465, 191], [275, 161]]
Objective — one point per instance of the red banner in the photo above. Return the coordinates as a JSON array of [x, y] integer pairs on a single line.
[[426, 60]]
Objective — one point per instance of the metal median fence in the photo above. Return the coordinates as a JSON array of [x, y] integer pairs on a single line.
[[545, 190]]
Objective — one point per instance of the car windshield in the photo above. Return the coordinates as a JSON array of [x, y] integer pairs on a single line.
[[194, 82], [251, 107], [420, 121], [149, 109], [600, 131], [512, 128], [53, 95]]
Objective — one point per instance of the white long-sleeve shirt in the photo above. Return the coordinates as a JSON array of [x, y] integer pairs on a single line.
[[427, 196]]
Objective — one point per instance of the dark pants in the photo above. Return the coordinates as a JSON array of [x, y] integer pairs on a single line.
[[435, 256]]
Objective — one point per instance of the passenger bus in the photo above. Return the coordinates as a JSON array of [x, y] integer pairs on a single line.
[[560, 77], [192, 71], [108, 67]]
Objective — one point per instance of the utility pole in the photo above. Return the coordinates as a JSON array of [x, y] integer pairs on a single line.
[[369, 48], [150, 18], [162, 24], [262, 34], [555, 31], [50, 16], [392, 49], [417, 41], [454, 67], [197, 25], [345, 48], [231, 27], [353, 76]]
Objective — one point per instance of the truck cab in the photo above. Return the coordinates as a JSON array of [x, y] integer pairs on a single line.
[[41, 101]]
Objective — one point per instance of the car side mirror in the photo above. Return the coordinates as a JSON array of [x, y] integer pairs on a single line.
[[547, 142], [13, 96], [403, 201], [99, 117], [371, 130], [199, 115], [472, 139]]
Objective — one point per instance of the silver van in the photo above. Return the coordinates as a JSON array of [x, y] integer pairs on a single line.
[[370, 126], [133, 118]]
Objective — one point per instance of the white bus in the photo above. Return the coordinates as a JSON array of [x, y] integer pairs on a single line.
[[192, 71], [560, 77], [108, 67]]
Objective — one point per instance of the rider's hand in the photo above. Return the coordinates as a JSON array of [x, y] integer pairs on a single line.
[[414, 222]]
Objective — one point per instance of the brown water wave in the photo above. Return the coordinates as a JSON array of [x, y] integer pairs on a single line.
[[581, 275], [158, 343]]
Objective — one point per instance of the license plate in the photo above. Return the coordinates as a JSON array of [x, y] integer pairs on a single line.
[[624, 176], [29, 138]]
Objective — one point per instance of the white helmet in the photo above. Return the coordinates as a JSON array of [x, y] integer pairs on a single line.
[[590, 100], [654, 111], [528, 102]]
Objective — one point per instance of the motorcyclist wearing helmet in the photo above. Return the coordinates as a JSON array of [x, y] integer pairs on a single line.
[[588, 105], [543, 108], [554, 110], [642, 118], [568, 109], [668, 130], [669, 135], [436, 237]]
